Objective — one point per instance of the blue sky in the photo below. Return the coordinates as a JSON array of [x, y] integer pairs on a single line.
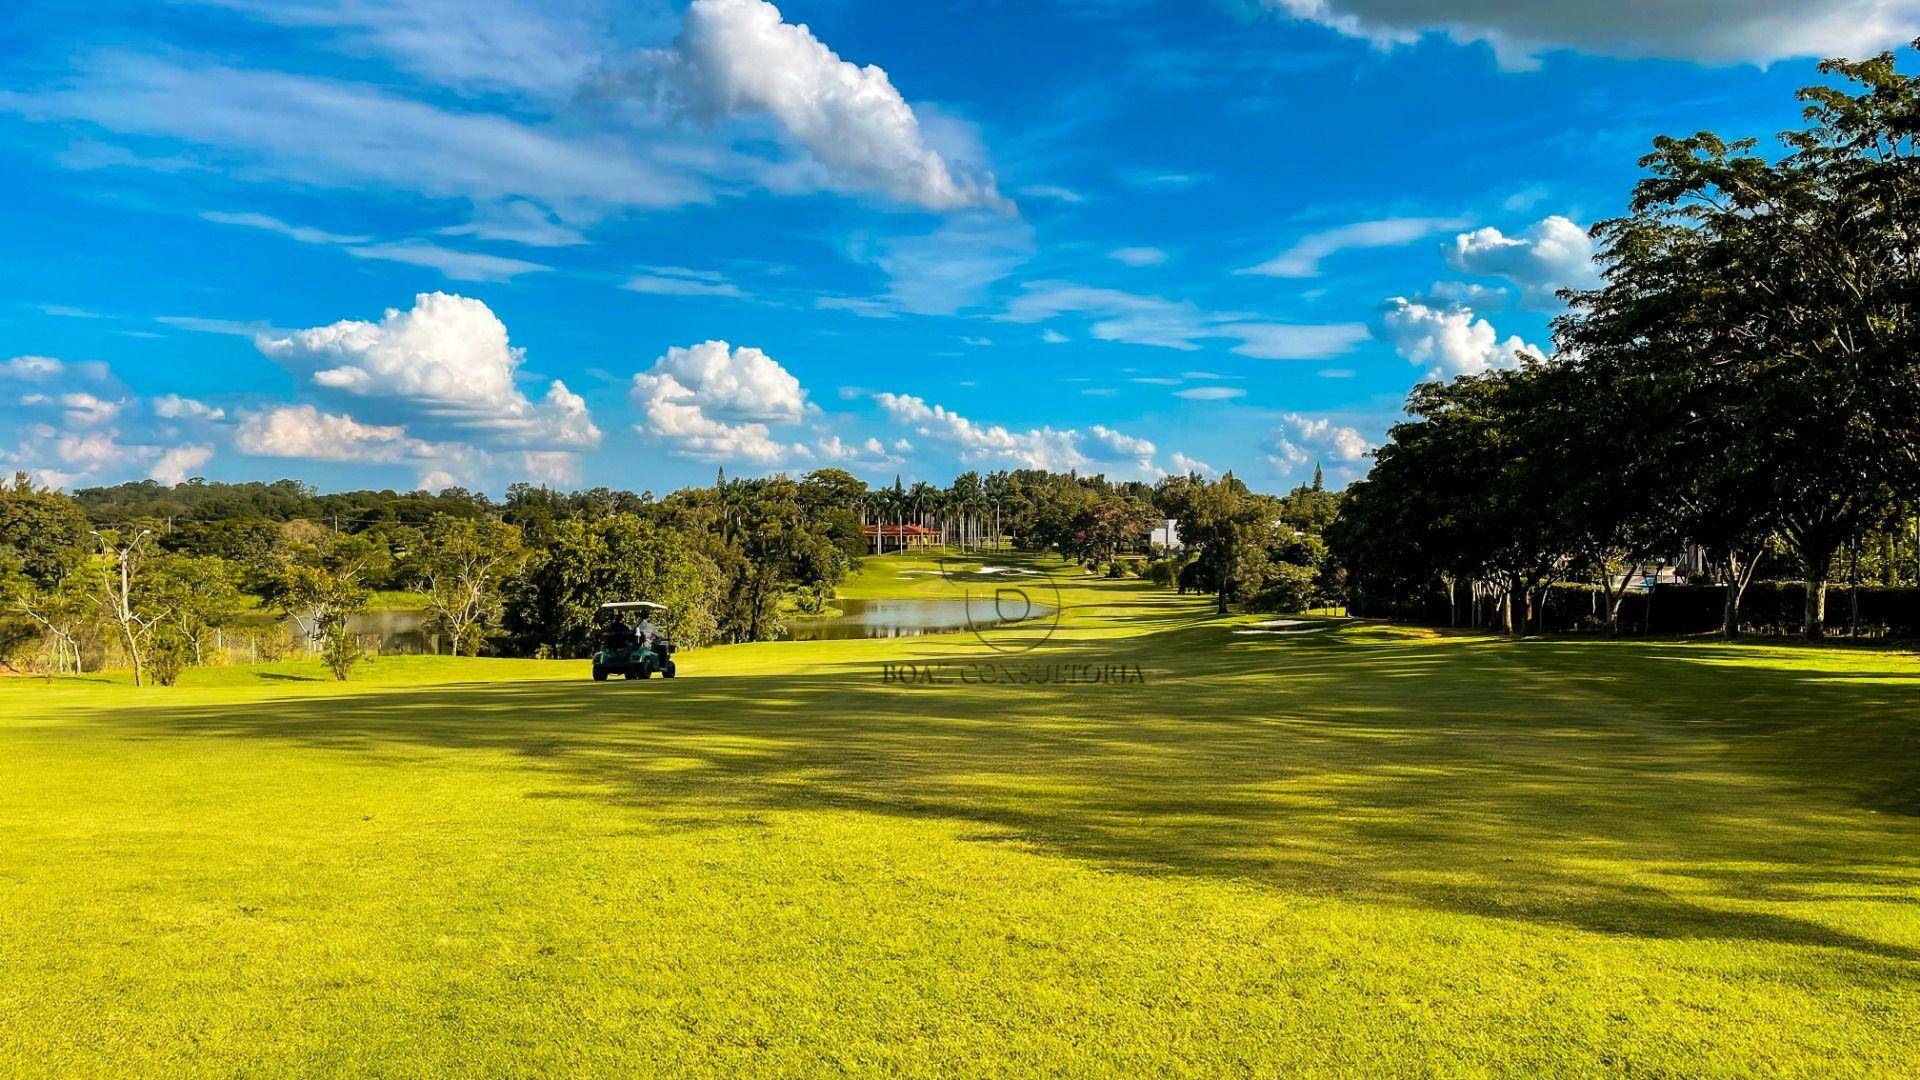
[[428, 242]]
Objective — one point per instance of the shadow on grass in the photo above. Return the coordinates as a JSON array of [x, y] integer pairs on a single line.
[[1665, 791]]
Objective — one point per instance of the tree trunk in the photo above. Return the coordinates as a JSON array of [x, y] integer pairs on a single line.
[[1221, 586], [1816, 623], [1818, 565], [1615, 598], [1737, 579], [133, 653]]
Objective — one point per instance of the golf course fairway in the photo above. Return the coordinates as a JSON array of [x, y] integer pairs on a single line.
[[1157, 841]]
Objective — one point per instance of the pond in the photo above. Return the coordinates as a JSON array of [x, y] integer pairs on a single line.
[[911, 618], [400, 630]]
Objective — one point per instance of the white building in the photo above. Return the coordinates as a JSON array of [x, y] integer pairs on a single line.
[[1166, 535]]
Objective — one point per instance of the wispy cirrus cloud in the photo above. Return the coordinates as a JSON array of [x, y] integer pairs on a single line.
[[1120, 316], [452, 262], [1303, 259], [683, 281], [281, 126], [455, 264], [268, 223], [541, 49]]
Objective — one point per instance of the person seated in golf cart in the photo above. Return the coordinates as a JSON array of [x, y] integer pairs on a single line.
[[634, 655], [620, 636]]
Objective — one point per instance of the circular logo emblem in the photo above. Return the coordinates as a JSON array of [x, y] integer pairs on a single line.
[[1008, 607]]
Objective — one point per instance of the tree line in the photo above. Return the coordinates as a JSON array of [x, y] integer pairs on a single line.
[[1744, 385], [155, 577]]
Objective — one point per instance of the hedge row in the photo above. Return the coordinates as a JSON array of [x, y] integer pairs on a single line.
[[1767, 607]]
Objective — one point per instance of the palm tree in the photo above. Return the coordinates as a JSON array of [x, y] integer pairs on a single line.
[[919, 498], [965, 494], [898, 503], [998, 489]]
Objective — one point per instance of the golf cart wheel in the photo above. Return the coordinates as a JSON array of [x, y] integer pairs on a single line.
[[667, 672], [599, 673]]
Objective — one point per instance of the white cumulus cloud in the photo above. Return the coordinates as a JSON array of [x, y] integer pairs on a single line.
[[179, 462], [1039, 448], [1448, 341], [1106, 444], [1302, 440], [303, 431], [32, 368], [448, 359], [1184, 465], [306, 432], [714, 402], [737, 58], [870, 453], [1553, 254], [85, 410], [1714, 31], [175, 407], [90, 451]]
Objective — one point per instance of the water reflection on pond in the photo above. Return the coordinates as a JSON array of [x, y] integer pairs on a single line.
[[403, 630], [910, 618], [398, 630]]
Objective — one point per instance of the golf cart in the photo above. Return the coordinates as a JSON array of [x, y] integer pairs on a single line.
[[626, 652]]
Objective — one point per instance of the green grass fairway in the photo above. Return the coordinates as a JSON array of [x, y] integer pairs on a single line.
[[1321, 847]]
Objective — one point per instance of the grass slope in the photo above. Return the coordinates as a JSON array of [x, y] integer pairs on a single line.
[[1320, 847]]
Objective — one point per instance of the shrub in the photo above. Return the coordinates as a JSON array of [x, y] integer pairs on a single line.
[[812, 599], [342, 649], [275, 643], [170, 653], [1287, 590]]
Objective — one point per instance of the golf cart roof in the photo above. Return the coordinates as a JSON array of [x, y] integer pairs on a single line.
[[632, 605]]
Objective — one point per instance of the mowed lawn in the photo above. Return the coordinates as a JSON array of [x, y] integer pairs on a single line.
[[1319, 847]]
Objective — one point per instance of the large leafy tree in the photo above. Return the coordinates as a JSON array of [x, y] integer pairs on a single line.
[[1225, 520], [1771, 302], [552, 607], [44, 544], [41, 528], [321, 584], [197, 596], [461, 565]]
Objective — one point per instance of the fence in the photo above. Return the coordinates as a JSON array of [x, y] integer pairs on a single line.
[[24, 649]]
